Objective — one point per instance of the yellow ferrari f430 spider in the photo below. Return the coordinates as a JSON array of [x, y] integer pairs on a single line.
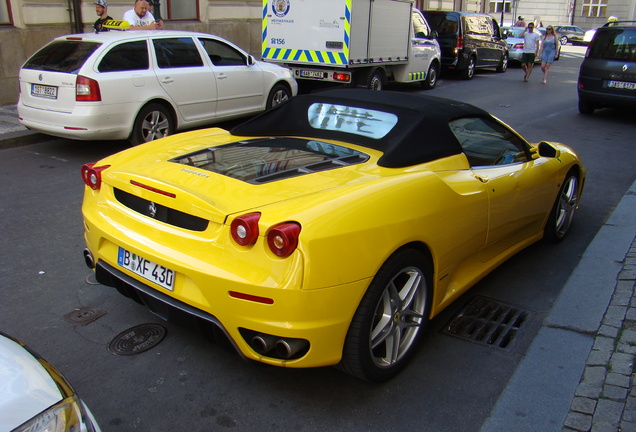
[[328, 230]]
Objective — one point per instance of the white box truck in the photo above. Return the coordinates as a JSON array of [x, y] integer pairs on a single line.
[[363, 43]]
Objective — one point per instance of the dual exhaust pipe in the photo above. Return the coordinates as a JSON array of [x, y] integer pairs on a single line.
[[277, 347]]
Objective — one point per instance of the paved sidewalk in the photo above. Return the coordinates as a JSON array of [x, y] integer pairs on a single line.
[[12, 133], [578, 372], [9, 120], [605, 399]]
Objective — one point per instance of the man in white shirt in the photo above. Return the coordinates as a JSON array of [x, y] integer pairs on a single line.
[[140, 17], [531, 45]]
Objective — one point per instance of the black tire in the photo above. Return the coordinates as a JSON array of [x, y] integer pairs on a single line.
[[563, 40], [278, 95], [401, 291], [431, 77], [503, 64], [154, 121], [375, 80], [562, 212], [469, 71], [586, 107]]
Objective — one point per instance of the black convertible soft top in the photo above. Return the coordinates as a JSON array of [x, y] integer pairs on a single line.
[[422, 132]]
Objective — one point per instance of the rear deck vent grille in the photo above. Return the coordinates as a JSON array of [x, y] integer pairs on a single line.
[[489, 322], [161, 213]]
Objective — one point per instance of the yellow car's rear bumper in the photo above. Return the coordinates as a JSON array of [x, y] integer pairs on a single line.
[[205, 288]]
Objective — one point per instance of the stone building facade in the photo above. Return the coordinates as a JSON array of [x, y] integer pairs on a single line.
[[26, 25]]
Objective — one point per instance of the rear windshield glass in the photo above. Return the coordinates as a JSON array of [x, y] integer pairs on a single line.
[[62, 56], [359, 121], [444, 24], [264, 160], [614, 44]]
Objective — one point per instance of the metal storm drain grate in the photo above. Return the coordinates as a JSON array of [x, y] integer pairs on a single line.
[[83, 315], [489, 322], [137, 339]]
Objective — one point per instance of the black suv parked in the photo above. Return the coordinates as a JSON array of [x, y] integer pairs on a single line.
[[469, 41], [607, 76]]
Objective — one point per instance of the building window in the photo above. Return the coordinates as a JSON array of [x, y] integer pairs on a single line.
[[5, 13], [178, 9], [495, 7], [594, 8]]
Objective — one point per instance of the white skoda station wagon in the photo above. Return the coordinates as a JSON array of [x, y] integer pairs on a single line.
[[143, 85]]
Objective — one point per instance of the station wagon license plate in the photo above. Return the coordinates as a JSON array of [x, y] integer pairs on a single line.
[[622, 85], [312, 74], [45, 91], [147, 269]]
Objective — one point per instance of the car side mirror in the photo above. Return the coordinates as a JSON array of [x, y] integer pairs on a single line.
[[434, 34], [250, 60], [546, 149]]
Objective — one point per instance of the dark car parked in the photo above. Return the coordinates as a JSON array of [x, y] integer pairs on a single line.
[[573, 34], [469, 41], [607, 77]]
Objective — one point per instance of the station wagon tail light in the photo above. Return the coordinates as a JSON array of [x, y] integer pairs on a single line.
[[283, 239], [244, 229], [92, 175], [87, 90]]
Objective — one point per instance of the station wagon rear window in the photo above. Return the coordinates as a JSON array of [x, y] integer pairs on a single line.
[[62, 56], [359, 121], [263, 160]]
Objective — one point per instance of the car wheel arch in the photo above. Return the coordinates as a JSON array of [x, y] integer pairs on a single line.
[[434, 68], [554, 231], [417, 246], [164, 103], [278, 84]]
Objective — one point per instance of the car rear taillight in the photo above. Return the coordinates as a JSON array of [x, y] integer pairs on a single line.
[[244, 229], [92, 175], [283, 239], [518, 45], [459, 44], [87, 90]]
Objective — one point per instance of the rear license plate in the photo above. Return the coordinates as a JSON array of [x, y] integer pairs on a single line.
[[312, 74], [146, 269], [45, 91], [622, 85]]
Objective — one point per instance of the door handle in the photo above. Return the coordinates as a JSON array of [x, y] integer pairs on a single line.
[[167, 80], [221, 76], [481, 178]]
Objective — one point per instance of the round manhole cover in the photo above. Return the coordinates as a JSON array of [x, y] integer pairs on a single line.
[[137, 339], [83, 315]]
